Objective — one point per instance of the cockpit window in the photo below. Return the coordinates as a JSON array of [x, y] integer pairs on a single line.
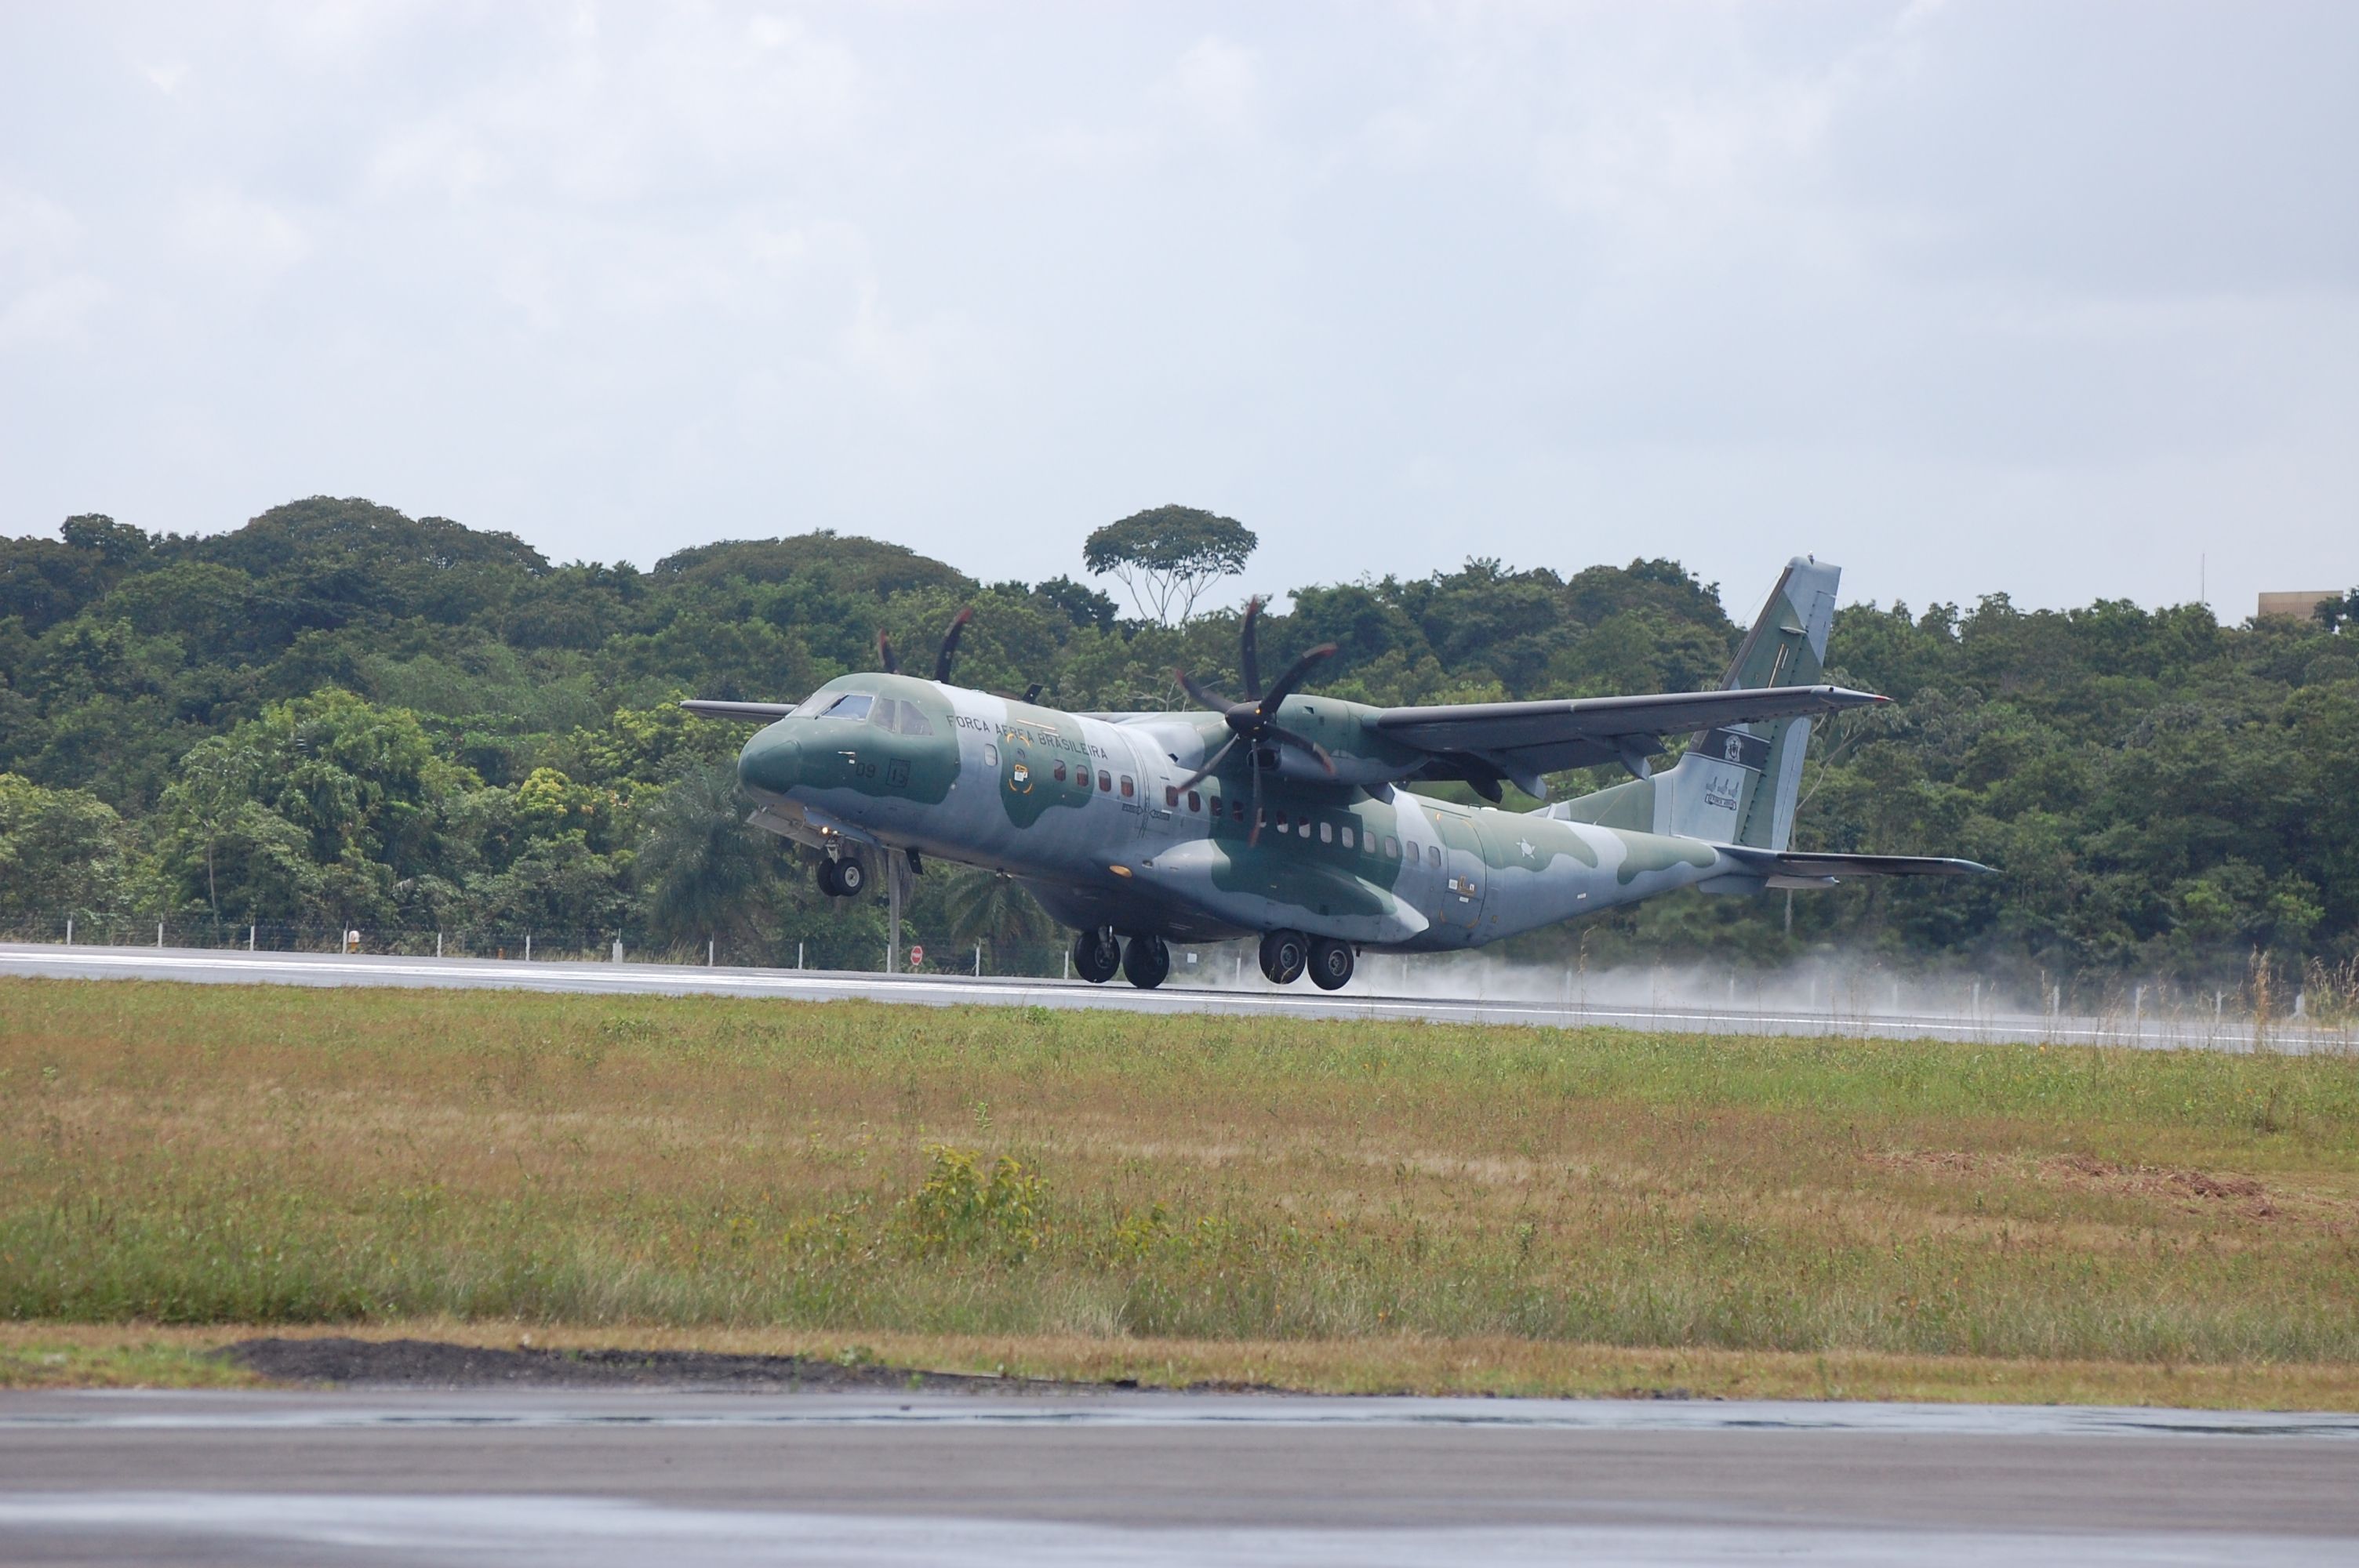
[[850, 705], [881, 715], [914, 723]]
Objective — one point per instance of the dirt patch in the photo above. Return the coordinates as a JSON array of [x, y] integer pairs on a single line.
[[436, 1364]]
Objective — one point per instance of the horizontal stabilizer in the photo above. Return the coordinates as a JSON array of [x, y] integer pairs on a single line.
[[1794, 863], [753, 712]]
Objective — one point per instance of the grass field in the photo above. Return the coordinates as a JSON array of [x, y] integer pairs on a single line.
[[1347, 1205]]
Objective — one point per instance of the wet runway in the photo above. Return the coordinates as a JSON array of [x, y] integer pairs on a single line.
[[587, 1479], [1363, 999]]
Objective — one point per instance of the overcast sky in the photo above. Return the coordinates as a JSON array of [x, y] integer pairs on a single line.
[[2046, 298]]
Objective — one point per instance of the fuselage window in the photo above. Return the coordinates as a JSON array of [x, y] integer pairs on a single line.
[[1237, 809], [1392, 848], [914, 723], [1105, 781], [1196, 801], [1128, 789], [1058, 772], [850, 705], [1171, 796], [1326, 833], [990, 756], [1303, 827], [1347, 837], [1281, 822]]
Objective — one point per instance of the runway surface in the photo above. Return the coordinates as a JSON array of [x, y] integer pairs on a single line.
[[214, 966], [590, 1480]]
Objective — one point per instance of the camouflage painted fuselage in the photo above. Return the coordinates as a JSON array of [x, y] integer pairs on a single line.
[[1085, 812]]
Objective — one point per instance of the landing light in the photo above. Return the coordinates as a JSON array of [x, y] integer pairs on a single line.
[[1119, 870]]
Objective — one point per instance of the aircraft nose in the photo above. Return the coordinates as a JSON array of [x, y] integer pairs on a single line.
[[771, 763]]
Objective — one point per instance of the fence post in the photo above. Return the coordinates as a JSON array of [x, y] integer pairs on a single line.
[[249, 936], [799, 955], [710, 944], [528, 947], [438, 944], [159, 934], [618, 949], [978, 960], [69, 930]]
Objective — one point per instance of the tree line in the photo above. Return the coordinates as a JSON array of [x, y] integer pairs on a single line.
[[338, 716]]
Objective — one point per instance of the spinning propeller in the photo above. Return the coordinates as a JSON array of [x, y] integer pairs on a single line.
[[1255, 720]]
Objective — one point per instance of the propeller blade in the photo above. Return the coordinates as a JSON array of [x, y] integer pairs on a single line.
[[1293, 677], [1205, 697], [1200, 773], [1249, 650], [1252, 834], [1032, 692], [950, 645], [1280, 733], [884, 651]]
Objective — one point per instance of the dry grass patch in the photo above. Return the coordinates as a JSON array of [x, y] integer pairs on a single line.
[[203, 1155]]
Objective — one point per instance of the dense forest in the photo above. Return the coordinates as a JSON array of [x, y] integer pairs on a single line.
[[338, 716]]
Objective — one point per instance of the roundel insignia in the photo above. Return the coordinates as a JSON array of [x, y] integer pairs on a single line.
[[1019, 777], [1734, 750]]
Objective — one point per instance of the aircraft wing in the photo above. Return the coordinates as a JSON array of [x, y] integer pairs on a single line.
[[1522, 739], [753, 712]]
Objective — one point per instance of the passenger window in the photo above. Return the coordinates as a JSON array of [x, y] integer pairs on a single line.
[[1196, 801], [1433, 856], [1171, 796], [1326, 833], [914, 723], [1303, 827], [1216, 808], [1347, 838], [1281, 822], [1105, 781], [1058, 772], [1128, 789], [1238, 810], [1392, 848], [990, 756], [852, 704]]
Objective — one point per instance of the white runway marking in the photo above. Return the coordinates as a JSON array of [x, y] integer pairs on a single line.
[[527, 1531], [339, 969]]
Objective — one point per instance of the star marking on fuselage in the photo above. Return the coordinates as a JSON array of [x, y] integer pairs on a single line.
[[1526, 846]]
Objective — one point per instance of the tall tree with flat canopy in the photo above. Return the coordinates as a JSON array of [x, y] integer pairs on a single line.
[[1168, 556]]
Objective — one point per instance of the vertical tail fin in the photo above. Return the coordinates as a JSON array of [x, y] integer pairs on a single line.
[[1738, 784]]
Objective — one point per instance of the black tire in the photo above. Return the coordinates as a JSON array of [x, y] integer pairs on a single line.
[[1284, 955], [851, 877], [1145, 962], [825, 877], [1096, 956], [1330, 964]]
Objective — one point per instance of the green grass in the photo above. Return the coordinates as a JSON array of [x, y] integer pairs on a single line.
[[202, 1156]]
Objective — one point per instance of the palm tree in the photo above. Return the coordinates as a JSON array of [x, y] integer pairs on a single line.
[[986, 907], [700, 865]]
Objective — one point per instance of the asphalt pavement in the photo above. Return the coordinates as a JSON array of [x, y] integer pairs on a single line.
[[584, 1480], [1362, 999]]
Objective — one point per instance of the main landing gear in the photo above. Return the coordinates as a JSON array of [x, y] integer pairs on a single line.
[[1284, 955], [1145, 961], [842, 879]]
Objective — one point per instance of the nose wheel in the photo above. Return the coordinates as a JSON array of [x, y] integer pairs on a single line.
[[1096, 956], [842, 879]]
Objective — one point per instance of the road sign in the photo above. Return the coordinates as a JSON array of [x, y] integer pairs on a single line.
[[917, 956]]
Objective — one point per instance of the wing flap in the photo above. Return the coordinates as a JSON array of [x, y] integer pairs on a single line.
[[1792, 863]]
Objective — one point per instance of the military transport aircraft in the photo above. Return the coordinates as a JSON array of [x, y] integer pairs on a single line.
[[1279, 815]]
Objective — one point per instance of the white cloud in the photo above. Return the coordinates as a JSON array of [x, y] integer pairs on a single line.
[[230, 229]]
